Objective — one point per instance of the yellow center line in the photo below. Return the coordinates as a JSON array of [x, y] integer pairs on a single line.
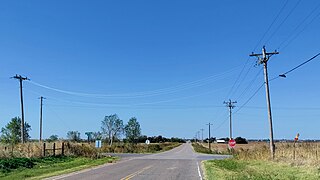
[[136, 173]]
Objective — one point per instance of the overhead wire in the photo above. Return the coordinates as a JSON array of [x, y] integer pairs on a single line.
[[274, 20], [169, 90], [260, 40], [282, 22], [128, 105], [289, 39], [298, 66], [255, 47], [250, 84]]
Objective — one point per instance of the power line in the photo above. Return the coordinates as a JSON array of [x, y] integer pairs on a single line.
[[263, 36], [169, 90], [278, 27], [297, 27], [274, 20], [249, 98], [250, 84], [284, 74]]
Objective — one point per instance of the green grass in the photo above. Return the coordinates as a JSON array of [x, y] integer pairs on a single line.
[[201, 149], [53, 166], [258, 170]]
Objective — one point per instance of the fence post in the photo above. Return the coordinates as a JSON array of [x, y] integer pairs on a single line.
[[294, 150], [54, 149], [44, 149], [317, 152], [62, 149]]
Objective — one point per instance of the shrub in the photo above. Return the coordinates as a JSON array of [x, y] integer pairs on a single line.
[[7, 165]]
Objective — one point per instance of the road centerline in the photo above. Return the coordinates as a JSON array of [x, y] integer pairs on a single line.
[[136, 173]]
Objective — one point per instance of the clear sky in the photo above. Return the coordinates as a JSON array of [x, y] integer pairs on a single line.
[[170, 64]]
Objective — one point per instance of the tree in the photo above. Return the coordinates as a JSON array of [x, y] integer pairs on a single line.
[[112, 127], [240, 140], [73, 136], [132, 130], [52, 138], [89, 135], [97, 135], [11, 133]]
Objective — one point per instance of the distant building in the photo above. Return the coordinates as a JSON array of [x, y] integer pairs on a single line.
[[222, 141]]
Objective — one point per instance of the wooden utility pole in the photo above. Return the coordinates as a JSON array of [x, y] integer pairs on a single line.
[[230, 105], [263, 59], [209, 135], [20, 78], [41, 104], [202, 135]]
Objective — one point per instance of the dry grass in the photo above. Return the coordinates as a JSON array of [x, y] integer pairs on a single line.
[[35, 149], [306, 153]]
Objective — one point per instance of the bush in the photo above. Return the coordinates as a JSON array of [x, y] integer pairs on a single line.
[[7, 165]]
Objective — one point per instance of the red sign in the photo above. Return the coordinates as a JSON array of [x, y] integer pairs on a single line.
[[232, 143]]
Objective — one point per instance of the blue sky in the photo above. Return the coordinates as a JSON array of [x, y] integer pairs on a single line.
[[170, 64]]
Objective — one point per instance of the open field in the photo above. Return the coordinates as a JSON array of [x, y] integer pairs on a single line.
[[252, 161], [306, 153]]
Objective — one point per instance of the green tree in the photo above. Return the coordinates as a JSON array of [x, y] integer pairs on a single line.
[[132, 130], [89, 135], [11, 133], [97, 135], [112, 127], [73, 136], [52, 138]]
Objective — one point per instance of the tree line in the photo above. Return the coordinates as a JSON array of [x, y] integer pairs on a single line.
[[112, 130]]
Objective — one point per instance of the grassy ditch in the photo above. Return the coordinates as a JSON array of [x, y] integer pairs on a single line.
[[200, 148], [257, 170], [139, 148], [38, 168]]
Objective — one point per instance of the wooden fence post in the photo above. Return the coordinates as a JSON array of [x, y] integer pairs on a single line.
[[54, 149], [44, 150], [317, 152], [294, 150], [62, 149]]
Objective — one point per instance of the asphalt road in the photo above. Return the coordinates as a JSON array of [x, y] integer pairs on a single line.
[[179, 163]]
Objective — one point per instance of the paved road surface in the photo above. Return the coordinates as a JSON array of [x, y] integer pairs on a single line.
[[179, 163]]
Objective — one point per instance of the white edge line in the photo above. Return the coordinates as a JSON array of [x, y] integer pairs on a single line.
[[199, 171], [62, 176]]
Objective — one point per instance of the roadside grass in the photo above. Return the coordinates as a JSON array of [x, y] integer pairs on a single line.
[[200, 148], [258, 170], [52, 166]]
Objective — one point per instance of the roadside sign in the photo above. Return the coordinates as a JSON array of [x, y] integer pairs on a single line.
[[232, 143], [98, 144], [147, 141]]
